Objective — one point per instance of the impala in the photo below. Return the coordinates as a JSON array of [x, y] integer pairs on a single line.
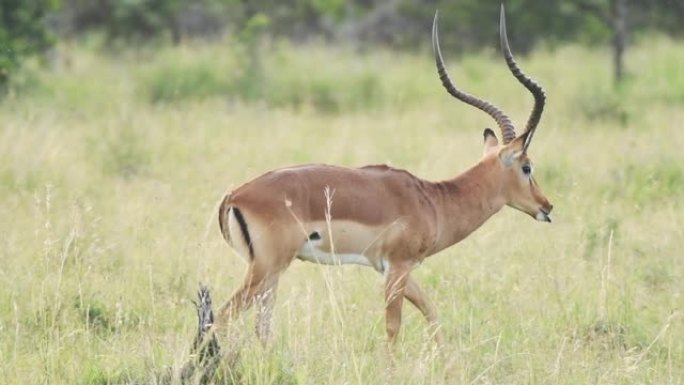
[[378, 216]]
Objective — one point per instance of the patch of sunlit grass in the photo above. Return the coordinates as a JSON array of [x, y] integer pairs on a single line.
[[109, 221]]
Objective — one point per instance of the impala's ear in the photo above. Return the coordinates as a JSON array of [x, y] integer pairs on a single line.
[[490, 140]]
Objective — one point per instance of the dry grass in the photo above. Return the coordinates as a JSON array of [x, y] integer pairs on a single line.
[[109, 222]]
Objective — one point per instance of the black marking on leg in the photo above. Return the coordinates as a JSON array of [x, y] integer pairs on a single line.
[[243, 229], [315, 236]]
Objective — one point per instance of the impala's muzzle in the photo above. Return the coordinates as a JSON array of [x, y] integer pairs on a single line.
[[544, 213]]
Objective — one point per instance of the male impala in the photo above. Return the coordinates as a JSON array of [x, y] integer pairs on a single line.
[[378, 216]]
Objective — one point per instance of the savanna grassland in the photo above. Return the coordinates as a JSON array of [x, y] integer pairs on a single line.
[[112, 166]]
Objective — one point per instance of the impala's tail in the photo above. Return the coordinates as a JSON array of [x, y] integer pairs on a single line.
[[223, 217]]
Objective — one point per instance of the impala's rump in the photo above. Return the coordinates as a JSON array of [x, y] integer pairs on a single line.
[[231, 221]]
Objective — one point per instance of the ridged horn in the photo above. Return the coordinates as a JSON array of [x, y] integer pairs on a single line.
[[531, 85], [504, 123]]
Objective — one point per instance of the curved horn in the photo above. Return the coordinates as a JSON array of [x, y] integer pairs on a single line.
[[531, 85], [507, 129]]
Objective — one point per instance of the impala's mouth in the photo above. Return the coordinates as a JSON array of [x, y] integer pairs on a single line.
[[543, 216]]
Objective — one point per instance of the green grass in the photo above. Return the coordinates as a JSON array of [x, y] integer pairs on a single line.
[[110, 177]]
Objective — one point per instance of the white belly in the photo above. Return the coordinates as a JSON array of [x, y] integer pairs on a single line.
[[309, 252]]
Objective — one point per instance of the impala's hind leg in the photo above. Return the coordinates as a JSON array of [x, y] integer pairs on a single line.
[[256, 281], [259, 287], [264, 303]]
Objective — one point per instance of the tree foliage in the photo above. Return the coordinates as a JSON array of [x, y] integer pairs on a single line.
[[22, 33], [122, 20], [393, 22], [466, 24]]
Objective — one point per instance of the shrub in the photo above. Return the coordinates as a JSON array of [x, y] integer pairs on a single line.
[[22, 34]]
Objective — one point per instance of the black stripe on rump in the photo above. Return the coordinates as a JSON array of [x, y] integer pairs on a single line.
[[243, 228]]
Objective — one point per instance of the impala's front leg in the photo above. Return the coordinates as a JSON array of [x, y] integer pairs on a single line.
[[395, 284], [415, 295]]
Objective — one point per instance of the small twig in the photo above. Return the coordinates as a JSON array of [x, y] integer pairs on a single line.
[[206, 352]]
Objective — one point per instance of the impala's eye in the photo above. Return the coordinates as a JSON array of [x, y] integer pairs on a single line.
[[526, 169]]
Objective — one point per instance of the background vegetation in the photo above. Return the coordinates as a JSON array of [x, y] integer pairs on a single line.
[[114, 158], [29, 27]]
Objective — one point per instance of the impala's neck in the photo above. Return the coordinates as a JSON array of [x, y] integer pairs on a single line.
[[465, 202]]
